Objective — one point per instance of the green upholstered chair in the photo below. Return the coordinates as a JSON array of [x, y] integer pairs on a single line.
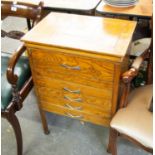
[[16, 79]]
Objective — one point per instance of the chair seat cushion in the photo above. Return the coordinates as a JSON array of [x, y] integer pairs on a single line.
[[22, 69], [135, 120]]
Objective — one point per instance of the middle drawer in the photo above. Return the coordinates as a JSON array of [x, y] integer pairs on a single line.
[[61, 89]]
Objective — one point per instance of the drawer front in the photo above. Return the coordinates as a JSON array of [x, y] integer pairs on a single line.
[[82, 80], [76, 103], [73, 96], [76, 68], [81, 115], [57, 96], [51, 85], [40, 73]]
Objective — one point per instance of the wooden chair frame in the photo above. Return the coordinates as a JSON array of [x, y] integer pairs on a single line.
[[30, 12], [127, 78]]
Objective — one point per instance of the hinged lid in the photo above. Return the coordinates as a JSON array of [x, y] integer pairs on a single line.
[[85, 33]]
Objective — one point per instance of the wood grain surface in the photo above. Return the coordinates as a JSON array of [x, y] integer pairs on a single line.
[[86, 56], [143, 8], [76, 114], [86, 33]]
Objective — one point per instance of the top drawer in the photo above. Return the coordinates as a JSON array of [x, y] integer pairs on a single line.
[[74, 65]]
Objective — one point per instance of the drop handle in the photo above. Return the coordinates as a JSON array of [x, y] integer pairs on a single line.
[[72, 91], [74, 116], [73, 108], [73, 100], [71, 67]]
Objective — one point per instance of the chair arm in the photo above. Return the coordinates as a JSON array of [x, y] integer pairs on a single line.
[[40, 8], [11, 76], [129, 75], [127, 78]]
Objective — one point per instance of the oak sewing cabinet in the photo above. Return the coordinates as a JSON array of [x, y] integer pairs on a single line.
[[76, 63]]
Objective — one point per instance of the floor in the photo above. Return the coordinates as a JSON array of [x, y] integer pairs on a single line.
[[67, 136]]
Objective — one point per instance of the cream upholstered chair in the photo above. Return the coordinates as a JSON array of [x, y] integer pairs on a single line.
[[134, 120]]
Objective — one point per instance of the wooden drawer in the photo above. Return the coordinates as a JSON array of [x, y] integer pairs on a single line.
[[59, 97], [77, 103], [81, 115], [50, 85], [74, 67], [39, 73], [82, 80]]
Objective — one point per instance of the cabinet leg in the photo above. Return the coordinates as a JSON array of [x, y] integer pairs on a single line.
[[44, 121]]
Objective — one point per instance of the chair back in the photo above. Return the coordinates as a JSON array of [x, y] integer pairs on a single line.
[[21, 9]]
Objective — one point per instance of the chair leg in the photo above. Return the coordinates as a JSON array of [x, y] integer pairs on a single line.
[[44, 121], [28, 24], [112, 148], [13, 120]]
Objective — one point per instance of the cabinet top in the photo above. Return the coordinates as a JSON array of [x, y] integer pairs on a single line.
[[100, 35]]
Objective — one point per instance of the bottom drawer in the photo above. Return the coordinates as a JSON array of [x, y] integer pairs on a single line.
[[104, 121]]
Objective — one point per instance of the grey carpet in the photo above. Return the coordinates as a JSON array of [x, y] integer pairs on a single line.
[[9, 45]]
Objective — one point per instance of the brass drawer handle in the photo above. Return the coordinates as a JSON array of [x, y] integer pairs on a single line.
[[71, 67], [72, 91], [73, 108], [73, 100], [74, 116]]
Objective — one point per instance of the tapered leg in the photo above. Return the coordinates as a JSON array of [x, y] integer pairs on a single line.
[[112, 148], [44, 121], [16, 126]]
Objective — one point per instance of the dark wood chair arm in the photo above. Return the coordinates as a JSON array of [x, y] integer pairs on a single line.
[[40, 8], [11, 76], [129, 75]]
